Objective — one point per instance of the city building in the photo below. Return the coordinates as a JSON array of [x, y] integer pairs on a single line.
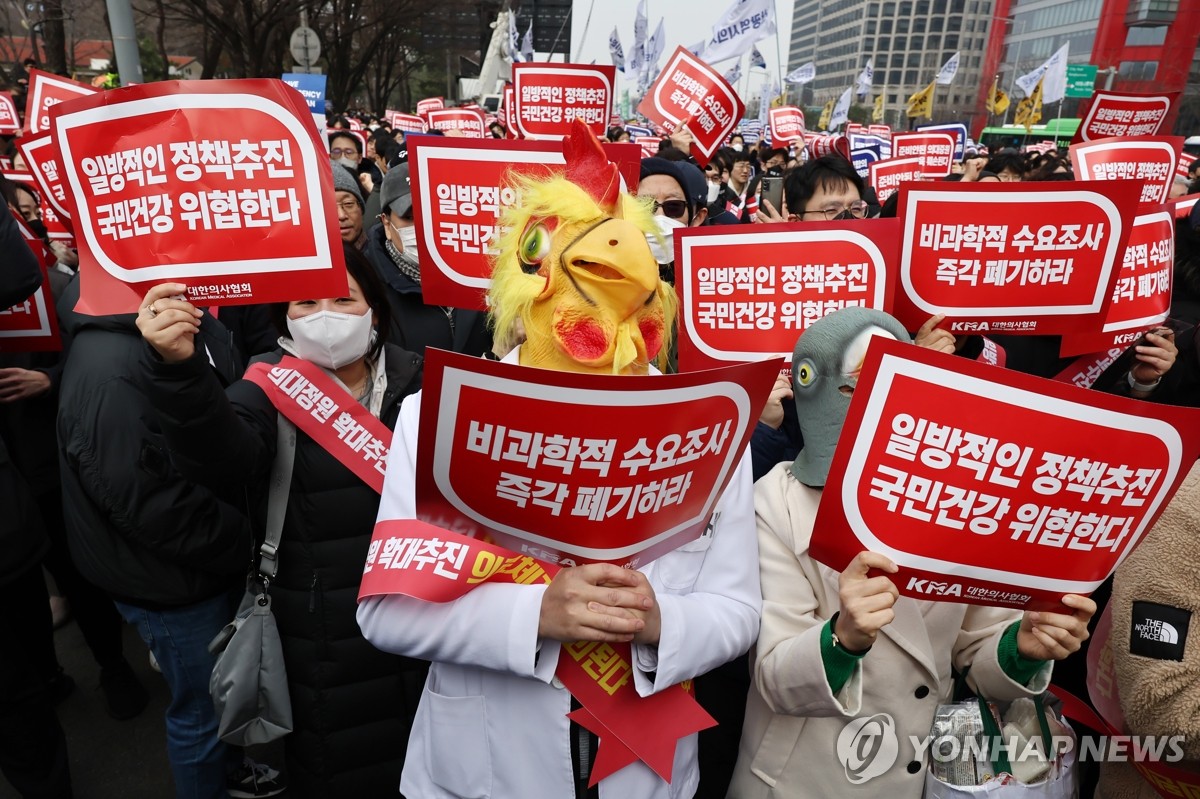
[[908, 40]]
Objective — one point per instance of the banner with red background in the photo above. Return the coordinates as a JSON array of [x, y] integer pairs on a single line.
[[42, 158], [1142, 294], [548, 97], [47, 90], [468, 123], [459, 190], [1150, 159], [888, 175], [935, 151], [429, 104], [991, 487], [748, 293], [222, 185], [1012, 258], [786, 125], [1109, 114], [32, 325], [690, 92], [10, 123], [557, 467]]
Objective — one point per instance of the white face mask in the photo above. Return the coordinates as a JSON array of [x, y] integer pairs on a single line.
[[408, 239], [331, 339], [349, 163], [737, 147], [664, 252], [713, 190]]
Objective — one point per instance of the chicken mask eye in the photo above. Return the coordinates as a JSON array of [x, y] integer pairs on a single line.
[[805, 373], [535, 246]]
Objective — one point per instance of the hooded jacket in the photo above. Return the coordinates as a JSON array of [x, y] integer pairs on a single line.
[[136, 527]]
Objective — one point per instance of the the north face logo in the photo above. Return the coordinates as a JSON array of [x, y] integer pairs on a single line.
[[1158, 631], [1155, 630]]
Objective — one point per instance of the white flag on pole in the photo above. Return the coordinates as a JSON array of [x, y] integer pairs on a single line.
[[862, 86], [1054, 88], [735, 74], [742, 25], [527, 43], [946, 74], [841, 111], [615, 50], [514, 39], [805, 73]]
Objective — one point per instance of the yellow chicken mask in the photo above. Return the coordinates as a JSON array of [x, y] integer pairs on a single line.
[[575, 270]]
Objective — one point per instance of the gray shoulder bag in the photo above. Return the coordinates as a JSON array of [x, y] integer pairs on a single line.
[[249, 682]]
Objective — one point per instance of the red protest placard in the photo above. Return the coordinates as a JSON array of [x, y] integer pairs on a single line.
[[748, 293], [1123, 114], [10, 123], [555, 465], [41, 156], [222, 185], [460, 188], [1142, 295], [57, 228], [786, 125], [468, 123], [1150, 159], [880, 130], [991, 487], [31, 325], [1012, 258], [47, 90], [690, 92], [430, 104], [1182, 206], [888, 175], [819, 146], [548, 97], [1185, 162], [934, 149], [409, 123], [649, 145]]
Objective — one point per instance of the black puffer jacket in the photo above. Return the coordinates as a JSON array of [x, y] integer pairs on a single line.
[[352, 704], [417, 326], [23, 540], [136, 527]]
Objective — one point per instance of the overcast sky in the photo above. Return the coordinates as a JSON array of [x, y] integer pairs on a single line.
[[686, 23]]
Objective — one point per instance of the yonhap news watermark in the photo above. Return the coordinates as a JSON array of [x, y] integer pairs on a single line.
[[869, 746]]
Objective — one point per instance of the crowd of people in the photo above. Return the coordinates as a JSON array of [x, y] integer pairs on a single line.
[[136, 467]]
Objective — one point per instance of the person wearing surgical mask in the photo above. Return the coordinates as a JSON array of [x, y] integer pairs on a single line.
[[393, 246], [226, 440], [677, 192], [346, 150]]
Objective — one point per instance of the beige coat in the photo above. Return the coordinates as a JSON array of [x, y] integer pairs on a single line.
[[793, 720], [1159, 697]]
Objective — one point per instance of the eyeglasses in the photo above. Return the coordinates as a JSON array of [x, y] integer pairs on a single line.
[[672, 208], [349, 206], [340, 151], [857, 209]]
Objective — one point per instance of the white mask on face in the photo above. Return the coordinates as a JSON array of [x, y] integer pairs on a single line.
[[713, 190], [737, 147], [349, 163], [664, 252], [408, 239], [331, 339]]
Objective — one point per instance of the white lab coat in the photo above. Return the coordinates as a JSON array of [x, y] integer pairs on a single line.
[[493, 718]]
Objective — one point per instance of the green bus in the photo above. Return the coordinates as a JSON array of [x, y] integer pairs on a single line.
[[1060, 131]]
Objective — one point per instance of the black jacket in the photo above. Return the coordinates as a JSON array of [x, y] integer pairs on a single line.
[[23, 540], [353, 704], [136, 527], [417, 326]]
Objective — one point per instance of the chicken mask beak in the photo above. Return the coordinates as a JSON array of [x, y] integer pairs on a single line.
[[612, 267]]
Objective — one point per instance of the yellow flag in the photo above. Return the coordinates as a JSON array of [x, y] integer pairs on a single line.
[[1029, 110], [877, 114], [826, 113], [779, 101], [921, 103], [997, 102]]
